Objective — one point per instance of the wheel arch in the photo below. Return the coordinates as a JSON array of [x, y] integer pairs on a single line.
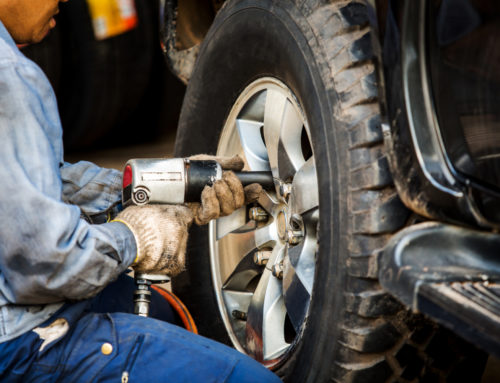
[[183, 26]]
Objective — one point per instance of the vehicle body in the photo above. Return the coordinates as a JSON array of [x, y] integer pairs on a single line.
[[404, 195]]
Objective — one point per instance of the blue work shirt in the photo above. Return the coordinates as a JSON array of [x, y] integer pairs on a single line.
[[48, 253]]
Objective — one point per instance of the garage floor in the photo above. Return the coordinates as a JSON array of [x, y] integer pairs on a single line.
[[117, 157]]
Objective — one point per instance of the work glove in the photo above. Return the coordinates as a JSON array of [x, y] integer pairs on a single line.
[[161, 233], [227, 194]]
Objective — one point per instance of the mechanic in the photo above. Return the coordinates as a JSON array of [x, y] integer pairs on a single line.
[[55, 265]]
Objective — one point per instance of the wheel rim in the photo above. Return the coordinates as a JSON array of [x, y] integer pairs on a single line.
[[264, 306]]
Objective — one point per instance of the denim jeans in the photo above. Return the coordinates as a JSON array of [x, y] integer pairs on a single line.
[[111, 346]]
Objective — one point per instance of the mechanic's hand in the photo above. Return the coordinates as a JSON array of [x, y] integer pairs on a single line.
[[227, 194], [224, 197], [161, 233], [234, 163]]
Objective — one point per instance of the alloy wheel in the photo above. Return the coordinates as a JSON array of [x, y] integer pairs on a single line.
[[263, 256]]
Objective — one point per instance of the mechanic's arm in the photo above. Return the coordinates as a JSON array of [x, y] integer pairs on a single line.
[[47, 253], [96, 190]]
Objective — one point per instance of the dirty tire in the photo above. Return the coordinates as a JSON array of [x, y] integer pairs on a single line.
[[355, 331]]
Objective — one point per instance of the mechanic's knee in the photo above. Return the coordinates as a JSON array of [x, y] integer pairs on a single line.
[[248, 371]]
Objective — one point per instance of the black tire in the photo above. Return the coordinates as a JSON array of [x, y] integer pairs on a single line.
[[355, 332], [102, 82]]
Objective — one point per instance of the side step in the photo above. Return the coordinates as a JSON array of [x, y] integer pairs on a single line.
[[451, 274]]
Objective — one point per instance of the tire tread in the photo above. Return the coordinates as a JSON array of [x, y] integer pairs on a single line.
[[373, 349]]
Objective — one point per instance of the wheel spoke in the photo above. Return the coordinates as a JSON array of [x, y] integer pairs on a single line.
[[295, 294], [302, 260], [243, 273], [298, 274], [237, 301], [286, 168], [253, 110], [298, 278], [273, 117], [266, 236], [266, 316], [267, 202], [274, 320], [303, 257], [304, 195], [290, 157], [235, 246], [232, 249], [252, 144], [236, 222]]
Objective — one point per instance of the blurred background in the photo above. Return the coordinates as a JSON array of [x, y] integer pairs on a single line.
[[117, 98]]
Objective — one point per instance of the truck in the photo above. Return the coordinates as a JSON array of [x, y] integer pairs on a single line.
[[375, 257]]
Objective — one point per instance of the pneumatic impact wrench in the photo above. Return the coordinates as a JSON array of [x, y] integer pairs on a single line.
[[172, 181]]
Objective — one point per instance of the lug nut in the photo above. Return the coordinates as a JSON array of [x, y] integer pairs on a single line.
[[261, 257], [285, 190], [258, 214], [294, 237], [277, 270], [237, 314]]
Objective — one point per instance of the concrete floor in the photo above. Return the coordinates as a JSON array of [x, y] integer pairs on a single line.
[[117, 157], [492, 371]]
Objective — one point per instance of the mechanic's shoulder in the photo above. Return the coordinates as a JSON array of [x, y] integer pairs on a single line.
[[13, 60], [8, 54]]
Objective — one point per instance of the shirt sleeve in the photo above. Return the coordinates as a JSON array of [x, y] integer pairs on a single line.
[[96, 190], [47, 252]]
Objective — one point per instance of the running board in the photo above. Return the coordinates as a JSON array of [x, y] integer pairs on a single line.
[[451, 274]]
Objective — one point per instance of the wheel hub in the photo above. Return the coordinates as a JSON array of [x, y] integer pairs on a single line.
[[289, 227], [281, 223]]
